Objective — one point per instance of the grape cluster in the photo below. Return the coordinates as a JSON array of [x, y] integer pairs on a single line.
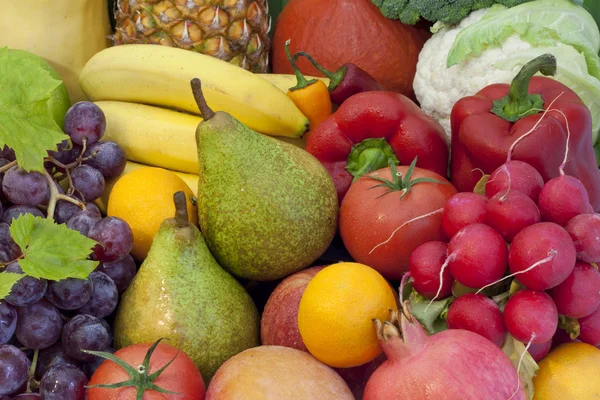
[[51, 322], [534, 245]]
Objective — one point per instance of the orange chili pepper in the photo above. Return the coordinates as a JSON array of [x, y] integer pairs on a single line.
[[310, 96]]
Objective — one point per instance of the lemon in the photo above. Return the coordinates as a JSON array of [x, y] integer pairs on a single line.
[[569, 372], [336, 312], [144, 199]]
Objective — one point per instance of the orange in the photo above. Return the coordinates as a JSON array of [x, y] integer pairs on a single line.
[[336, 312], [144, 199], [571, 371]]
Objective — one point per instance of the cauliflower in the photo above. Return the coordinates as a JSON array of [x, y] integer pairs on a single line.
[[438, 88]]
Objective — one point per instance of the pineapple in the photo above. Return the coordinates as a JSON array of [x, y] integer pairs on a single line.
[[231, 30]]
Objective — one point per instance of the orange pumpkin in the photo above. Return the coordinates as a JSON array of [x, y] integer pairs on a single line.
[[340, 31]]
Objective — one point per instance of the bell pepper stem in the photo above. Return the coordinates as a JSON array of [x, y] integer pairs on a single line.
[[519, 103], [335, 78], [302, 82]]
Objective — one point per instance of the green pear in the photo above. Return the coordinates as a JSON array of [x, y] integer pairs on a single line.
[[266, 208], [182, 294]]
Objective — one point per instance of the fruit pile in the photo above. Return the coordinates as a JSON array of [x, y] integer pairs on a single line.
[[418, 222]]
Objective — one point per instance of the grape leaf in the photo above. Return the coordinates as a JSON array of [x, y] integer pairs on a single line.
[[52, 251], [26, 124], [7, 280]]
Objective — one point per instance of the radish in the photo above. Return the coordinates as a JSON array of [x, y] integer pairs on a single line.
[[563, 198], [579, 295], [480, 314], [451, 365], [531, 316], [585, 232], [477, 255], [515, 175], [461, 210], [510, 212], [539, 350], [542, 256], [589, 328], [426, 263]]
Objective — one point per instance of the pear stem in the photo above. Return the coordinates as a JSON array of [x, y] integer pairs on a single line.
[[181, 214], [205, 110]]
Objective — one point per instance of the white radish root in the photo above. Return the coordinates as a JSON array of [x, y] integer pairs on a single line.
[[449, 259]]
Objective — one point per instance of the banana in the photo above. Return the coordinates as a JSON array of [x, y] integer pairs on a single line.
[[160, 75], [190, 179], [285, 81], [153, 135]]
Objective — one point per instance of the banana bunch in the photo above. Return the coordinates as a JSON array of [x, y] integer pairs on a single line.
[[144, 91]]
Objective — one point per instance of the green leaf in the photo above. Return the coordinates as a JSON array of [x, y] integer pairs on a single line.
[[26, 123], [52, 251], [515, 351], [430, 316], [7, 280]]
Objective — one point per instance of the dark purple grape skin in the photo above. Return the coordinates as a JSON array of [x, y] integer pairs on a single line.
[[8, 321], [93, 208], [91, 367], [108, 330], [39, 325], [59, 189], [14, 211], [27, 290], [63, 153], [83, 221], [27, 396], [51, 356], [9, 250], [105, 296], [63, 382], [70, 293], [21, 187], [85, 121], [14, 367], [84, 332], [64, 211], [121, 271], [88, 182], [8, 153], [107, 157], [3, 162], [114, 237]]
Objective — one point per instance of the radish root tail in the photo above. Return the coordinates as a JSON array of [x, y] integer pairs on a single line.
[[551, 254], [535, 126], [449, 259], [438, 211]]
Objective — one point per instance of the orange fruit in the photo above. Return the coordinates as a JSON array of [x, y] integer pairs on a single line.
[[144, 199], [570, 371], [336, 313]]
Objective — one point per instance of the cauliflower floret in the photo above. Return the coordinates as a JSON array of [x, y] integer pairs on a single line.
[[438, 88]]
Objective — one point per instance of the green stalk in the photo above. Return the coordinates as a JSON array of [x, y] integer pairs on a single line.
[[302, 82]]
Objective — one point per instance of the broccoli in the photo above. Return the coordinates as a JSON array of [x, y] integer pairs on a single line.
[[448, 11]]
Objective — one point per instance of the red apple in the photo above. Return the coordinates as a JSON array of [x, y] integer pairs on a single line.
[[279, 323]]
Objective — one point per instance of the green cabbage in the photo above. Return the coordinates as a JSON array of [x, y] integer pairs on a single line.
[[542, 23], [572, 71]]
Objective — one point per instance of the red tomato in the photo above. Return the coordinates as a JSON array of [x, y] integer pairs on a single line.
[[181, 376], [369, 215]]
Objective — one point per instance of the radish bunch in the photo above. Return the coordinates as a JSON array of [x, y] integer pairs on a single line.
[[543, 235]]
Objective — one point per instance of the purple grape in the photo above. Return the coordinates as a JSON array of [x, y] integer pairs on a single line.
[[27, 290], [14, 368], [20, 187], [88, 181], [8, 153], [13, 212], [63, 382], [82, 221], [93, 208], [64, 211], [105, 296], [9, 250], [85, 121], [91, 367], [59, 189], [70, 293], [121, 271], [107, 157], [114, 237], [63, 153], [3, 162], [39, 325], [8, 321], [84, 332], [51, 356], [108, 330], [27, 396]]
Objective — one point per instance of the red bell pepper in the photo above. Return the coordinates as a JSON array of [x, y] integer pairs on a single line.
[[484, 127], [369, 130]]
